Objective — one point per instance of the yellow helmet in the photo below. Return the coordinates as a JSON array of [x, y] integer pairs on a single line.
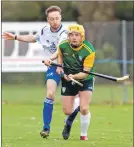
[[77, 28]]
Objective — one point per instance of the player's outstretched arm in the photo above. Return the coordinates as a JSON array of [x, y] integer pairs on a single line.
[[24, 38], [8, 36]]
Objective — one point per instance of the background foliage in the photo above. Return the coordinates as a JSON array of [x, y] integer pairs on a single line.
[[72, 11]]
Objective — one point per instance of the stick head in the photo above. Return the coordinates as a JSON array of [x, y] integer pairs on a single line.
[[123, 78]]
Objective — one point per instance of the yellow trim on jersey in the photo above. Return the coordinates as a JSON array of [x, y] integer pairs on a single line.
[[88, 48], [78, 48], [59, 51], [89, 60]]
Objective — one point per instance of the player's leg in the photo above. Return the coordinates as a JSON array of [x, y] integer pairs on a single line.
[[53, 80], [85, 116], [48, 107], [69, 92], [76, 108], [67, 103]]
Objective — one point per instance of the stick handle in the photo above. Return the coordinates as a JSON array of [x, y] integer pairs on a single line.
[[77, 82], [92, 73], [112, 78]]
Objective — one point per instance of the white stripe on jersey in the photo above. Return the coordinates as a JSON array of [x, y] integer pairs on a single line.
[[49, 40]]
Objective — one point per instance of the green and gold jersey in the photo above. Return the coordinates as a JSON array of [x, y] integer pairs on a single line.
[[77, 58]]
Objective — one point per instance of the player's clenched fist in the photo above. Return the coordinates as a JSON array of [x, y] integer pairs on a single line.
[[8, 36], [59, 70]]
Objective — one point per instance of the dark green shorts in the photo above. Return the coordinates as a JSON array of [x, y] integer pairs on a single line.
[[71, 89]]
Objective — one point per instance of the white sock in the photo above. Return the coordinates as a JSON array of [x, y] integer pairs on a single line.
[[76, 103], [85, 121]]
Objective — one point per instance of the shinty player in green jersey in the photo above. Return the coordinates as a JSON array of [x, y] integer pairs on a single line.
[[77, 54]]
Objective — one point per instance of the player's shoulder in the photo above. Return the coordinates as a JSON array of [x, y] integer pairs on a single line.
[[63, 30], [45, 29], [88, 45], [63, 43]]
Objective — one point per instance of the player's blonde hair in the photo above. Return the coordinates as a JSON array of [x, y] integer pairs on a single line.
[[77, 28]]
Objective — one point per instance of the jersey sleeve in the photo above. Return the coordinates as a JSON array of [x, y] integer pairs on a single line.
[[89, 60], [38, 34], [37, 37], [59, 50]]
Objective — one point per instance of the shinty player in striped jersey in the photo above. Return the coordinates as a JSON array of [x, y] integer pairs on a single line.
[[78, 53], [49, 36]]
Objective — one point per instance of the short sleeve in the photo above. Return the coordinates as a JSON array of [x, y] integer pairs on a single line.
[[37, 37], [59, 50], [89, 60], [38, 34]]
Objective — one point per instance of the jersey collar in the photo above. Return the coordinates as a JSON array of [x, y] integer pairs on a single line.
[[78, 48], [57, 29]]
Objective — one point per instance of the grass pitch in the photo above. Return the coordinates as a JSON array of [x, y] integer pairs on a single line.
[[111, 125]]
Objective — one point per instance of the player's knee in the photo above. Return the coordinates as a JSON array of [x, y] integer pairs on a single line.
[[84, 110], [67, 111], [50, 94]]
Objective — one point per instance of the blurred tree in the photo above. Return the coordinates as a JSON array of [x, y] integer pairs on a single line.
[[20, 11], [35, 11], [72, 11], [90, 11], [124, 10], [95, 10]]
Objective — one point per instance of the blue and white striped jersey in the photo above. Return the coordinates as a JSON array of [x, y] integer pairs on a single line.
[[49, 40]]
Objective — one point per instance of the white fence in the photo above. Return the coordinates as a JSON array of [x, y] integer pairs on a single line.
[[19, 56]]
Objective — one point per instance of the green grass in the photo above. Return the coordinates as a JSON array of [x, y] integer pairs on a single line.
[[110, 127], [35, 94], [22, 119]]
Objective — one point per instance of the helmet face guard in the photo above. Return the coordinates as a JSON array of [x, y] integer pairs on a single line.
[[77, 28]]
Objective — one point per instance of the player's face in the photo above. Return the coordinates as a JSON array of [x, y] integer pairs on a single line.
[[75, 38], [54, 19]]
